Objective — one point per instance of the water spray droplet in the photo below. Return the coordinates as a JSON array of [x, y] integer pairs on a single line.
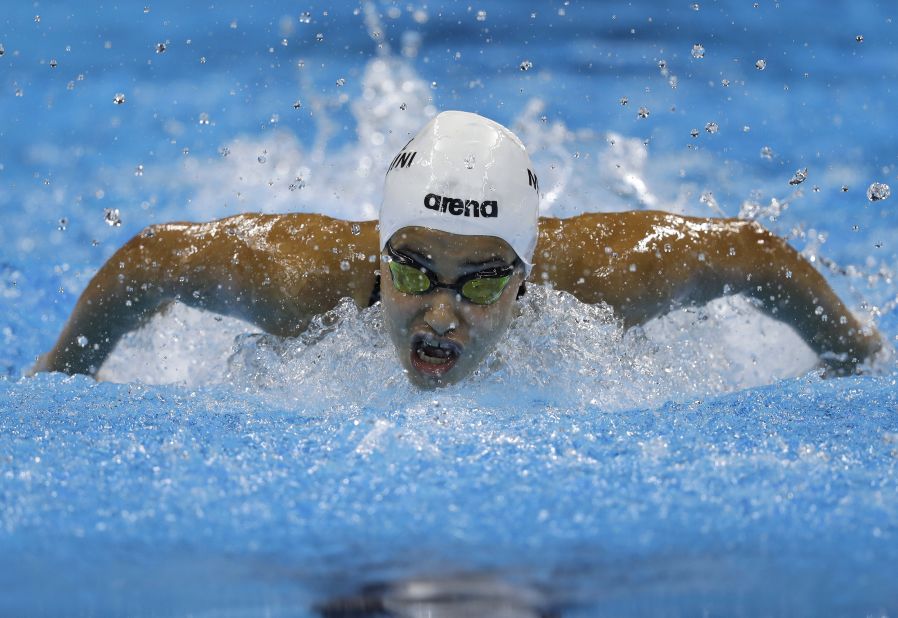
[[878, 191], [112, 217], [799, 177]]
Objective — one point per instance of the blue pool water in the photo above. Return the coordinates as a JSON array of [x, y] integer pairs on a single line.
[[697, 465]]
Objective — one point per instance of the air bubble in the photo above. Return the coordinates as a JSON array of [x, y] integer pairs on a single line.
[[761, 64], [53, 63], [160, 48], [63, 225], [469, 162], [305, 17], [224, 151], [263, 158], [643, 112], [341, 82], [119, 98], [481, 15], [859, 38], [319, 37], [204, 119], [624, 100], [81, 340], [694, 133], [356, 229], [403, 106], [878, 191], [344, 265], [698, 51], [712, 127], [526, 65], [767, 153], [138, 171]]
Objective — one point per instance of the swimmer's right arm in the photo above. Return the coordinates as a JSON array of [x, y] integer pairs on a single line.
[[275, 271]]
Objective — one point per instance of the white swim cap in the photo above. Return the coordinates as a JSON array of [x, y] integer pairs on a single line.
[[464, 174]]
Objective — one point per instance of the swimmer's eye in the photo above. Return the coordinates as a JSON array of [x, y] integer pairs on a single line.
[[408, 279], [484, 291]]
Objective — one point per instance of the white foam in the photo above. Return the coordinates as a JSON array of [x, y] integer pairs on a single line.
[[558, 350]]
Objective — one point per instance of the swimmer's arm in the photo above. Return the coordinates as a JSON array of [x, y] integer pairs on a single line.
[[278, 281], [646, 263]]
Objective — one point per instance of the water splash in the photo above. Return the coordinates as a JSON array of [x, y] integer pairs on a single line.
[[557, 350]]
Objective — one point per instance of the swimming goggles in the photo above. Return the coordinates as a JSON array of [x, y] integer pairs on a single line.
[[481, 288]]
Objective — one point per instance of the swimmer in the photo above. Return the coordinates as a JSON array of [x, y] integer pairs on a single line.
[[459, 234]]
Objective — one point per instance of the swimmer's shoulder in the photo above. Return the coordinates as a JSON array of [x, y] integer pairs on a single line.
[[296, 231]]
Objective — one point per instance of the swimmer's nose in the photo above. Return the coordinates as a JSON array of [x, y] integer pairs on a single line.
[[441, 315]]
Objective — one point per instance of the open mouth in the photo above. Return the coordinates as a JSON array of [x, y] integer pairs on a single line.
[[433, 355]]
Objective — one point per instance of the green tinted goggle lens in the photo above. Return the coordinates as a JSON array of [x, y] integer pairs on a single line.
[[484, 291], [411, 280]]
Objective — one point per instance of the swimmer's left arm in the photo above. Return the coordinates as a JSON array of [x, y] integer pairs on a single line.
[[646, 263]]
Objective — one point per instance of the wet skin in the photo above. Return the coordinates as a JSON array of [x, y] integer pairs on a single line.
[[440, 337], [279, 271]]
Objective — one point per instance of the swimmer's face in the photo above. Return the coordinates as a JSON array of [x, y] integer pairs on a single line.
[[441, 336]]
